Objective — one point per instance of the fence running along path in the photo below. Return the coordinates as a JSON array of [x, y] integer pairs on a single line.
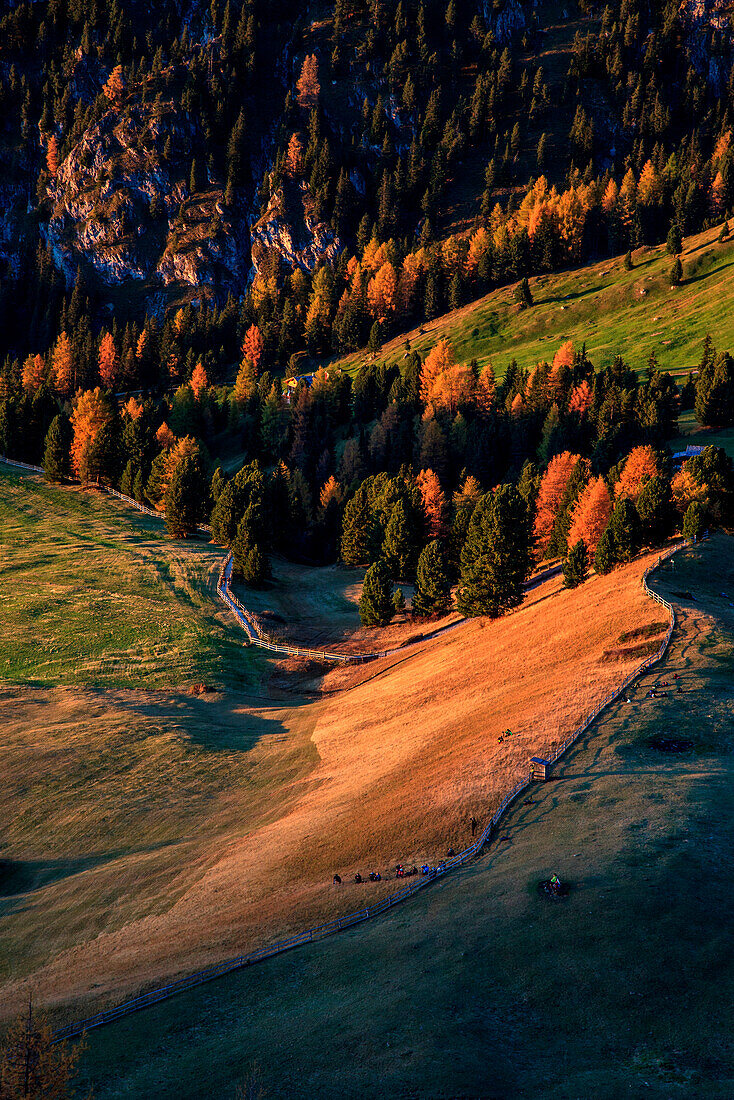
[[312, 935]]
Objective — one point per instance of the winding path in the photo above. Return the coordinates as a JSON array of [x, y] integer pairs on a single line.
[[312, 935]]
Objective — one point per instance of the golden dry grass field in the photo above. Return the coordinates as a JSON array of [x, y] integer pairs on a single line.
[[481, 986], [147, 833]]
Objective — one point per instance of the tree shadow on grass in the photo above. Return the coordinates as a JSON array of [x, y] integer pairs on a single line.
[[19, 877], [213, 722]]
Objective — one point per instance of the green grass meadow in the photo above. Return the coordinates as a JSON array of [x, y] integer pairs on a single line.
[[93, 592], [481, 987], [612, 311], [116, 782]]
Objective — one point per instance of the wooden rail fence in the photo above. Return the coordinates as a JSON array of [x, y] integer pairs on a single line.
[[312, 935]]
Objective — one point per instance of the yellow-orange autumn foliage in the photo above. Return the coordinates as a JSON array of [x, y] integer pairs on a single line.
[[433, 503], [552, 487], [438, 360], [591, 514], [641, 466]]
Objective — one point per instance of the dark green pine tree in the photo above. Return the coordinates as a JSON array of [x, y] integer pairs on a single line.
[[523, 297], [154, 486], [432, 583], [625, 530], [400, 546], [56, 450], [183, 498], [716, 405], [676, 272], [219, 480], [605, 558], [225, 516], [655, 509], [575, 565], [704, 380], [375, 603], [128, 478], [674, 242], [694, 521], [250, 562], [139, 487], [359, 533], [496, 559]]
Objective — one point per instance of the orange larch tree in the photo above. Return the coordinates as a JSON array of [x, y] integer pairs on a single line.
[[550, 494], [591, 514], [109, 362], [115, 86], [34, 373], [53, 156], [253, 346], [439, 359], [331, 490], [433, 502], [308, 86], [92, 412], [641, 466], [582, 398], [199, 381], [166, 438], [62, 366]]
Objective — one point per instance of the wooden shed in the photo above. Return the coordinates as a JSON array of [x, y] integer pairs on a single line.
[[539, 768]]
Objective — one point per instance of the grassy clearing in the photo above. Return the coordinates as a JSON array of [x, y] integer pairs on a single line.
[[482, 988], [693, 434], [119, 788], [611, 310], [94, 593]]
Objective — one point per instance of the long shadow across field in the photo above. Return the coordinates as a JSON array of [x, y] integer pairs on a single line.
[[483, 987]]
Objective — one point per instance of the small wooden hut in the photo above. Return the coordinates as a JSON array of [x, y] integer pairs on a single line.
[[539, 768]]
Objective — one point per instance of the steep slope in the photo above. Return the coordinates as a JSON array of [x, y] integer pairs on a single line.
[[389, 767], [481, 987], [612, 311]]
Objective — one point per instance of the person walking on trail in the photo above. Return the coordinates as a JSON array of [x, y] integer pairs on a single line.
[[473, 826]]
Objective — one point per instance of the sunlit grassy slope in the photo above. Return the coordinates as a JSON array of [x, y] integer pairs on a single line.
[[148, 832], [94, 593], [611, 310], [481, 987]]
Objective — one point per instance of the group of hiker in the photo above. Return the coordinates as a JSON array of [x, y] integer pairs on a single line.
[[405, 872]]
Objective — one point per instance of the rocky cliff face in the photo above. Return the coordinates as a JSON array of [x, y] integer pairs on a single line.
[[121, 203], [290, 228]]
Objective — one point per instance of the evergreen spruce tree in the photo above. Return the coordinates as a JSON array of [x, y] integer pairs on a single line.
[[432, 583], [398, 600], [183, 499], [628, 265], [674, 243], [676, 272], [655, 509], [575, 565], [624, 527], [128, 478], [139, 487], [250, 563], [154, 487], [604, 558], [495, 560], [56, 450], [219, 480], [694, 521], [400, 546], [523, 297], [375, 603], [359, 535]]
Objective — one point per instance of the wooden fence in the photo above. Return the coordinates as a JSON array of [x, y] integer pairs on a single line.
[[312, 935]]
